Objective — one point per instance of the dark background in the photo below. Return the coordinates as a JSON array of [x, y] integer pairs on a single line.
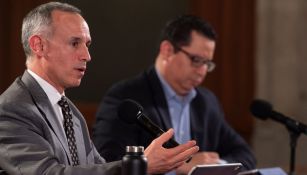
[[125, 38]]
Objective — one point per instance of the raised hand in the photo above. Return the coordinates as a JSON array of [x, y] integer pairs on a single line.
[[162, 160]]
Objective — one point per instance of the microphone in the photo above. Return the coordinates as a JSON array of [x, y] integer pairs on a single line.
[[264, 110], [131, 112]]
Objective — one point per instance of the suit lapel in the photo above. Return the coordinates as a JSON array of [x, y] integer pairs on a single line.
[[84, 142], [197, 120], [42, 102], [79, 140], [159, 98]]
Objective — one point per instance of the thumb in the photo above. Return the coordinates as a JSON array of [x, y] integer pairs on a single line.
[[165, 137]]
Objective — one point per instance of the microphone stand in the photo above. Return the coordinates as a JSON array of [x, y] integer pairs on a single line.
[[294, 135]]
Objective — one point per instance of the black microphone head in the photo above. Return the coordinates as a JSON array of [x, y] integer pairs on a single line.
[[261, 109], [128, 111]]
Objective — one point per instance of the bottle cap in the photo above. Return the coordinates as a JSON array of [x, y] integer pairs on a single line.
[[134, 149]]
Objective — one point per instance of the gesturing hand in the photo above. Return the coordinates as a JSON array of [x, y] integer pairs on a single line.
[[162, 160]]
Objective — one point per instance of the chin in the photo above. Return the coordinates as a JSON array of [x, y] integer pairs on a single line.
[[191, 86], [186, 91], [75, 84], [195, 85]]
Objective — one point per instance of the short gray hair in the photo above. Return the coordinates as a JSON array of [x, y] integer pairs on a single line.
[[39, 20]]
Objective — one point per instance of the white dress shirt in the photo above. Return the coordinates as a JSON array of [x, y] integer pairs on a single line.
[[53, 95]]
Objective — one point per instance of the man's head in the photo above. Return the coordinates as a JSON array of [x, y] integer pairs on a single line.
[[55, 38], [39, 21], [186, 52]]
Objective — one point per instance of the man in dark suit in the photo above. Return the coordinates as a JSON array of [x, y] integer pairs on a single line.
[[41, 131], [170, 97]]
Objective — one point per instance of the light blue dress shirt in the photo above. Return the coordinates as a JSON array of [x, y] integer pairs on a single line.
[[179, 108]]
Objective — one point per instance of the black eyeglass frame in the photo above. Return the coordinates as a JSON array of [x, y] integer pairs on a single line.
[[198, 61]]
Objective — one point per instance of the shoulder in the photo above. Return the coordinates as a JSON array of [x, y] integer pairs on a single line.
[[206, 95], [207, 100], [132, 86], [139, 88], [15, 94], [16, 104]]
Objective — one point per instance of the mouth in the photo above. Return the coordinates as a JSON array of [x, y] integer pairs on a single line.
[[81, 70], [197, 81]]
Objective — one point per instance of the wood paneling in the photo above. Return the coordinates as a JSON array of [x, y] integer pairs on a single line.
[[4, 30], [233, 80], [12, 58]]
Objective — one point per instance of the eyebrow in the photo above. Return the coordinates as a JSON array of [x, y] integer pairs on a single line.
[[193, 55], [78, 39], [75, 39]]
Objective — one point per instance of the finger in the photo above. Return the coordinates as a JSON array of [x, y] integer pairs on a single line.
[[186, 154], [164, 137], [174, 152], [183, 147]]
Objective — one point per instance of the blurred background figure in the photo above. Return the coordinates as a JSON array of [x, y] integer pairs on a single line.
[[170, 94]]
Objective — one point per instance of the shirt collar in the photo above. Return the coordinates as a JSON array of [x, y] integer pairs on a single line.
[[53, 95]]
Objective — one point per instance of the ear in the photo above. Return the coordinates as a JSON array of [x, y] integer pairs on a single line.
[[37, 45], [166, 49]]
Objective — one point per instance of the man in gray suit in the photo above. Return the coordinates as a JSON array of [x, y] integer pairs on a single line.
[[36, 135]]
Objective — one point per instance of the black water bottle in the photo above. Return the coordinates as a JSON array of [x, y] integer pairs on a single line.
[[134, 162]]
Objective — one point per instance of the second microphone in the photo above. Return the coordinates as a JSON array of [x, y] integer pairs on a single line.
[[132, 112]]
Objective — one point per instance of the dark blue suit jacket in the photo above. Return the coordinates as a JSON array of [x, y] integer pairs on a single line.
[[208, 127]]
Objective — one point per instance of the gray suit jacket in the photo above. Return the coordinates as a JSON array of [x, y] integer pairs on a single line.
[[32, 141]]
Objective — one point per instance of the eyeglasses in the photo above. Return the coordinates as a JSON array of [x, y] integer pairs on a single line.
[[198, 61]]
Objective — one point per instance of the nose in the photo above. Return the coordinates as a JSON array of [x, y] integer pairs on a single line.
[[202, 70], [85, 54]]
